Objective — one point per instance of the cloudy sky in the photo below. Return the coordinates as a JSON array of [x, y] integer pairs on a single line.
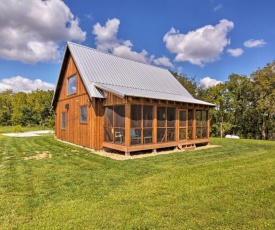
[[205, 39]]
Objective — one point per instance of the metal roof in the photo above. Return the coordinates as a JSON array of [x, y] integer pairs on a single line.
[[105, 72]]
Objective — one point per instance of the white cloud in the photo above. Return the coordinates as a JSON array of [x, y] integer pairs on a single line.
[[218, 7], [164, 61], [208, 82], [201, 46], [26, 85], [31, 31], [254, 43], [107, 41], [235, 52]]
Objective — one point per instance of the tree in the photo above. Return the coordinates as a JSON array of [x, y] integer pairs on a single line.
[[6, 107], [239, 96], [189, 84], [264, 96], [19, 107]]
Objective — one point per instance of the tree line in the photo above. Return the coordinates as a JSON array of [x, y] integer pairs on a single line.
[[26, 109], [245, 106]]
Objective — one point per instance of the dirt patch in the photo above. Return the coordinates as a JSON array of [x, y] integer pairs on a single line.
[[39, 156], [117, 156], [1, 166]]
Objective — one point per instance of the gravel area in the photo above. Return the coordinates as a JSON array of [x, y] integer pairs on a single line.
[[29, 134], [120, 156]]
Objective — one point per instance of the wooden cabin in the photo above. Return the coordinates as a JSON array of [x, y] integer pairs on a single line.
[[104, 101]]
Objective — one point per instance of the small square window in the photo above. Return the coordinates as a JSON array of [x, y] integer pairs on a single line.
[[63, 120], [72, 84], [83, 114]]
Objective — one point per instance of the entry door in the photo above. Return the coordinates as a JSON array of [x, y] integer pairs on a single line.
[[182, 124]]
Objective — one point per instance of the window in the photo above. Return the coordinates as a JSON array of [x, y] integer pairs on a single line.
[[63, 120], [72, 84], [83, 114]]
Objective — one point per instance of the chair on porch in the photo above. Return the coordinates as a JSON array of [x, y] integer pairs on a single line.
[[118, 137], [135, 136]]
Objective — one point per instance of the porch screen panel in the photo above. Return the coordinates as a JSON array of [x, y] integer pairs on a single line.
[[182, 124], [114, 124], [161, 123], [198, 123], [136, 121], [108, 125], [147, 124], [171, 116], [201, 124], [204, 124], [190, 124], [119, 116]]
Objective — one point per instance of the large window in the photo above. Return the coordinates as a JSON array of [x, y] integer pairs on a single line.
[[83, 114], [114, 124], [72, 84], [201, 124], [166, 124], [63, 120]]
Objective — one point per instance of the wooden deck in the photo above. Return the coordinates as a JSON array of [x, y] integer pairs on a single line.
[[179, 145]]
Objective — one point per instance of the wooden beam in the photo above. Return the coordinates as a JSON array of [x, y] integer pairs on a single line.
[[155, 124], [127, 124]]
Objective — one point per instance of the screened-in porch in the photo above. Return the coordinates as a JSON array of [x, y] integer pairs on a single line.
[[135, 127]]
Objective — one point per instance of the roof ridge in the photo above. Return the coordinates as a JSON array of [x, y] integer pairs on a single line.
[[100, 51]]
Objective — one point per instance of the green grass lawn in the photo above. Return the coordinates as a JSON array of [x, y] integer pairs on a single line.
[[229, 187]]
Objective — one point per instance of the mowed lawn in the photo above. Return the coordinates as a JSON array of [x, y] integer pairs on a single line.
[[46, 184]]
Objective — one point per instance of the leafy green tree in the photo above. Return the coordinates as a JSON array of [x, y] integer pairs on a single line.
[[188, 83], [19, 108], [264, 97], [6, 107], [239, 100]]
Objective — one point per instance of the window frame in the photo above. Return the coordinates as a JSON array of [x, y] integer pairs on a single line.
[[63, 121], [80, 117], [69, 92]]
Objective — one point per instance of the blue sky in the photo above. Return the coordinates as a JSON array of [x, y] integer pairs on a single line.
[[205, 39]]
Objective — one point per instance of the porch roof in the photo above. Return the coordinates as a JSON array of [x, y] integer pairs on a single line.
[[126, 91]]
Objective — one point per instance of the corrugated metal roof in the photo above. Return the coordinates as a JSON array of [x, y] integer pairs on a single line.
[[101, 70], [124, 91]]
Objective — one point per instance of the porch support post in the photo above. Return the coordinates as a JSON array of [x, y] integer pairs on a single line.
[[154, 124], [194, 123], [177, 124], [127, 126]]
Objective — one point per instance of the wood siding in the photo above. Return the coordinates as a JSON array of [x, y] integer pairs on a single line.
[[84, 134]]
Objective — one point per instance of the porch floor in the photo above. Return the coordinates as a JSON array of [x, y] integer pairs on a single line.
[[182, 145]]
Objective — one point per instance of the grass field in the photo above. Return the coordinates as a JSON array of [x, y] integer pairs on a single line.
[[46, 184]]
